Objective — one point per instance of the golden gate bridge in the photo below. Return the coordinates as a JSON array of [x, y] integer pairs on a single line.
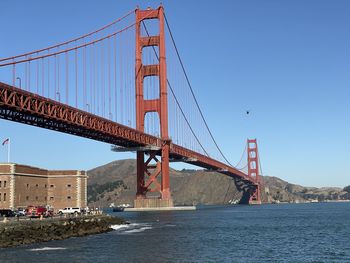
[[120, 85]]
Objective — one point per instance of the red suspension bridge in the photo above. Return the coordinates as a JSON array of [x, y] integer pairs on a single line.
[[113, 87]]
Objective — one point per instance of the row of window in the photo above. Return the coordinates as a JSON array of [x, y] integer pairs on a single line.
[[51, 185], [4, 183], [3, 197], [68, 197], [37, 198]]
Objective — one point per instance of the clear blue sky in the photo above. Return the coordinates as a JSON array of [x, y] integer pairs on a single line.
[[286, 61]]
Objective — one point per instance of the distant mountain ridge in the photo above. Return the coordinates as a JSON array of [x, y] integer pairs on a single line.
[[115, 183], [282, 191]]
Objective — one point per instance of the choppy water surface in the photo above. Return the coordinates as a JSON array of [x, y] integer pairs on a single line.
[[267, 233]]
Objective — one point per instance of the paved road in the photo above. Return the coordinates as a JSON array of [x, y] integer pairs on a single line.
[[27, 218]]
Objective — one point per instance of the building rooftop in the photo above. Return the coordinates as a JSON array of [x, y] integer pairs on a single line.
[[9, 168]]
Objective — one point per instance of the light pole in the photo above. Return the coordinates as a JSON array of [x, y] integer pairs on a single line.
[[87, 107], [20, 82]]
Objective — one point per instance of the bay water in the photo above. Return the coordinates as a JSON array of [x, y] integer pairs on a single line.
[[314, 232]]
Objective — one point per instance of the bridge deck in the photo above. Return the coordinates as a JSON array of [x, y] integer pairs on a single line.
[[25, 107]]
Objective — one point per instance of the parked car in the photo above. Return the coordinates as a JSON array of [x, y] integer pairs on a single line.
[[36, 211], [69, 210], [20, 212], [6, 213], [85, 211]]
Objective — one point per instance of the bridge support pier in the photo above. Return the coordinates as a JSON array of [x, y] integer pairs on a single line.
[[255, 198], [150, 192], [253, 171], [148, 173]]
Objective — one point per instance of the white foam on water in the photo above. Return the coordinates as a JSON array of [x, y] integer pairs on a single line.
[[47, 248], [131, 228], [170, 225], [119, 227], [126, 226], [138, 230], [138, 224]]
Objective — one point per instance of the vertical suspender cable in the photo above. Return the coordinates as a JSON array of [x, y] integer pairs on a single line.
[[109, 79], [94, 79], [42, 76], [48, 76], [102, 80], [121, 79], [91, 79], [37, 76], [115, 78], [55, 77], [58, 79], [76, 78], [13, 74], [84, 78], [67, 77], [29, 75], [26, 76]]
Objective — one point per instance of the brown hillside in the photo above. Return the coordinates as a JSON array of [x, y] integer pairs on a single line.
[[188, 187]]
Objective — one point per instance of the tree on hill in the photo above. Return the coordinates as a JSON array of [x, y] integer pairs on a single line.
[[347, 189], [95, 190]]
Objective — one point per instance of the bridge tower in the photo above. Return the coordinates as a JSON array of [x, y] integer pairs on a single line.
[[149, 171], [253, 171]]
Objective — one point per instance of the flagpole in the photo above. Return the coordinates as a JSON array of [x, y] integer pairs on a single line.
[[8, 150]]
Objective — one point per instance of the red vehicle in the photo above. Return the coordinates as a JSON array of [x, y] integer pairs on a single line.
[[36, 211]]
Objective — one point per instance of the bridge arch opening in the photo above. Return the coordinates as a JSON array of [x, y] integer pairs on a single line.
[[150, 55], [252, 165], [152, 123], [151, 88], [252, 155], [150, 27]]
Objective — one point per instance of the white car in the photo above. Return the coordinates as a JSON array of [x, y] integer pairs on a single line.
[[69, 210]]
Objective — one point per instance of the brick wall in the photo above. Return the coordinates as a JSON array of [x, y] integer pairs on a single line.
[[5, 168], [62, 191], [34, 186], [30, 190], [5, 191]]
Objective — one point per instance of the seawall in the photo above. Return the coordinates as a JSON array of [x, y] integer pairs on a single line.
[[13, 233]]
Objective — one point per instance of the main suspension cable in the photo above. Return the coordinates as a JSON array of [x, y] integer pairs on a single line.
[[177, 102], [242, 156], [72, 40], [194, 97]]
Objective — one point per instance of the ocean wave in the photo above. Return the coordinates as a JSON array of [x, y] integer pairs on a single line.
[[47, 248], [131, 228], [170, 225], [138, 230], [119, 227]]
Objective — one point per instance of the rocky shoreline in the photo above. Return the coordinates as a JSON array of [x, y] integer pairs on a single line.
[[13, 233]]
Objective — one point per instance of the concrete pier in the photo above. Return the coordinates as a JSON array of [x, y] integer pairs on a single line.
[[153, 203], [156, 204]]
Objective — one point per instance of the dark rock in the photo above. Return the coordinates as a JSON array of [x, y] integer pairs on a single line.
[[26, 232]]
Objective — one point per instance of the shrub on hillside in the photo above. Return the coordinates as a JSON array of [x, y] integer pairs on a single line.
[[98, 189]]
